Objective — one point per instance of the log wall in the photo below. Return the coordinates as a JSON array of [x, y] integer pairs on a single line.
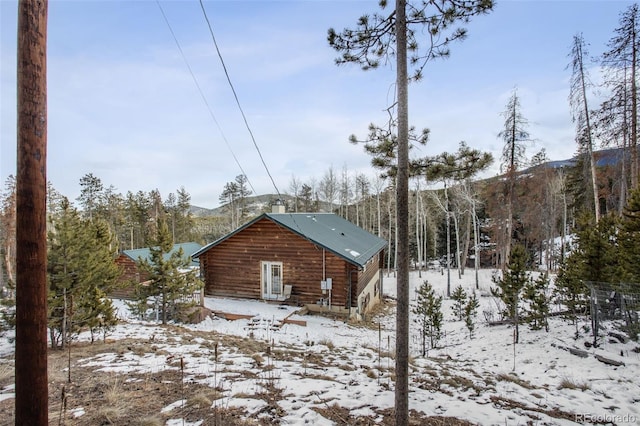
[[130, 274], [232, 267]]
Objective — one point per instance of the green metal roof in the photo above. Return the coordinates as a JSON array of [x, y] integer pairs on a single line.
[[327, 230], [145, 253]]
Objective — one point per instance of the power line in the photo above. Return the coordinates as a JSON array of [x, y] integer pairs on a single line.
[[235, 95], [204, 99]]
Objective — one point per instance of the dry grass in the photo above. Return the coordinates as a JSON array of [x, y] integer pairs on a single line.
[[568, 383], [346, 367], [372, 373], [315, 376], [138, 398], [342, 416], [510, 404], [6, 371], [149, 421], [317, 359], [108, 398], [203, 399], [458, 382], [380, 310], [110, 415], [258, 359], [515, 379], [430, 372], [328, 343], [113, 393]]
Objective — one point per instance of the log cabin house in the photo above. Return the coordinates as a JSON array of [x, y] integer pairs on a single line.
[[131, 274], [318, 260]]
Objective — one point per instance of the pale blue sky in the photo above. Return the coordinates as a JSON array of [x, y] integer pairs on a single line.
[[123, 106]]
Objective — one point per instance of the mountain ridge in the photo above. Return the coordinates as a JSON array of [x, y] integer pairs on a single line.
[[257, 204]]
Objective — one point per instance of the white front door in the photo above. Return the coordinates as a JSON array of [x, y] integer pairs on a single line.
[[271, 278]]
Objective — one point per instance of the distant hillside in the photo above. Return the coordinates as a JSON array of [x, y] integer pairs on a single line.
[[258, 204], [202, 211], [604, 157], [254, 205]]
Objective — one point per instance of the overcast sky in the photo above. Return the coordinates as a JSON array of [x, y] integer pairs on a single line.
[[122, 103]]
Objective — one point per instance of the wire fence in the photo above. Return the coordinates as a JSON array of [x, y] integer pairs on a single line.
[[615, 302]]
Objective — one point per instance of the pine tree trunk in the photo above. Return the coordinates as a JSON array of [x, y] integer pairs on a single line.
[[164, 304], [456, 227], [395, 240], [446, 196], [418, 242], [389, 232], [465, 245], [64, 318], [623, 168], [31, 377], [634, 116], [589, 141], [563, 232], [402, 214], [379, 212], [507, 242], [476, 244]]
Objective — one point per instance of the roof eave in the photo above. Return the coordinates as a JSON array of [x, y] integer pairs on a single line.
[[206, 248]]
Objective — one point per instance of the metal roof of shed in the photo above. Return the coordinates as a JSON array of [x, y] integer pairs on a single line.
[[327, 230], [188, 250]]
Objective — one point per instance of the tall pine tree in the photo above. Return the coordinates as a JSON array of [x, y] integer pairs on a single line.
[[570, 290], [629, 237], [537, 298], [81, 271], [169, 278], [514, 135], [470, 310], [514, 279], [459, 297], [96, 307], [621, 63], [398, 35], [428, 315], [581, 114], [593, 259]]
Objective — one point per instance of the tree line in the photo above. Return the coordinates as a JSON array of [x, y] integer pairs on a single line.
[[462, 223], [82, 245]]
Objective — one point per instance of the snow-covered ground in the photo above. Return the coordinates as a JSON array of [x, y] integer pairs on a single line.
[[485, 380]]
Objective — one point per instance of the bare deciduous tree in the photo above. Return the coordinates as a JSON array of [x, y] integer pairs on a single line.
[[328, 187]]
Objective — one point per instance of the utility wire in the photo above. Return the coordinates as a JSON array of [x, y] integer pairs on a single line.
[[235, 95], [204, 99]]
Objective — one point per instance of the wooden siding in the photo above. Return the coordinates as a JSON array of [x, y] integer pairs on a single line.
[[232, 267], [365, 277], [372, 269], [129, 268], [130, 273]]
